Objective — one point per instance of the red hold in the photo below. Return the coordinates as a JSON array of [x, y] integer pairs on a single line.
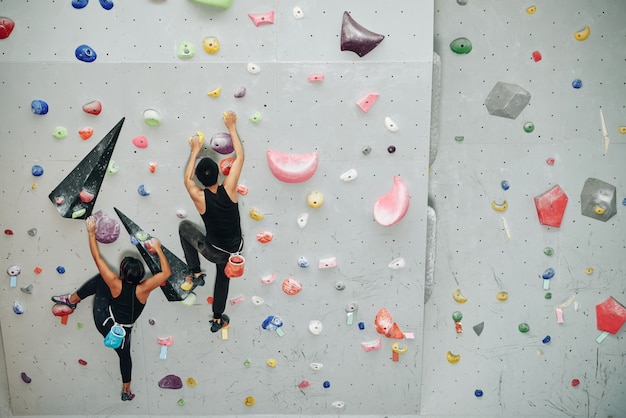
[[82, 362], [575, 382], [8, 232], [93, 108], [6, 27], [536, 56], [550, 206]]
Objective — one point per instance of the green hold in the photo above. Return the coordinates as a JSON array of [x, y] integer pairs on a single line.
[[457, 316], [181, 402], [548, 251], [523, 327], [461, 46], [255, 117], [79, 213], [529, 127], [186, 50], [459, 138], [548, 295], [60, 132], [224, 4]]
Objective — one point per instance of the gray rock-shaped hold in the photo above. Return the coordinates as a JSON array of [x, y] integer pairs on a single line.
[[506, 100], [598, 199]]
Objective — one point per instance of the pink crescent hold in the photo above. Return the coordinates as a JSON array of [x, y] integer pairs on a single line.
[[292, 168], [262, 18], [367, 102], [165, 341], [391, 208]]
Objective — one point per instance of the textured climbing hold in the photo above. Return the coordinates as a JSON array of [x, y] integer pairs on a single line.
[[82, 362], [502, 296], [598, 199], [152, 166], [391, 149], [461, 46], [271, 362], [391, 125], [536, 56], [224, 4], [269, 278], [255, 214], [589, 270], [292, 168], [32, 232], [315, 327], [210, 44], [222, 143], [93, 108], [181, 402], [18, 308], [529, 127], [256, 117], [366, 102], [459, 138], [106, 4], [85, 133], [546, 339], [303, 262], [523, 327], [478, 328], [107, 228], [249, 401], [291, 286], [550, 206], [316, 366], [371, 345], [264, 237], [316, 78], [85, 53], [226, 164], [86, 196], [242, 189], [186, 50], [339, 285], [8, 232], [262, 18], [506, 100], [143, 190], [575, 382], [152, 117], [6, 27], [499, 207], [550, 161], [315, 199], [240, 93], [622, 130], [39, 107], [356, 38], [549, 251], [304, 384], [297, 12], [112, 167], [385, 325], [397, 264], [505, 185], [257, 300], [25, 378], [577, 83], [531, 10], [37, 170], [366, 150], [391, 207], [326, 384], [458, 296], [453, 358], [253, 68], [478, 393], [60, 269], [79, 213], [548, 273], [272, 322], [59, 132], [215, 92], [171, 381], [582, 34], [457, 316], [349, 175]]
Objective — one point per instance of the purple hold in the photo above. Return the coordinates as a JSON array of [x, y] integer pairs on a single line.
[[222, 143], [107, 228], [171, 381]]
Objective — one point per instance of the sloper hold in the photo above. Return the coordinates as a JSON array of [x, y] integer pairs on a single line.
[[356, 38], [180, 270], [550, 206], [87, 175], [507, 100]]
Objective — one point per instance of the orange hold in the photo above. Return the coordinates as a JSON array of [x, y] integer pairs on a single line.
[[85, 133], [385, 325], [38, 270], [226, 164], [264, 237], [152, 167]]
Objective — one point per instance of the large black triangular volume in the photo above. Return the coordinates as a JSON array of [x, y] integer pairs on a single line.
[[180, 270], [355, 38], [76, 195]]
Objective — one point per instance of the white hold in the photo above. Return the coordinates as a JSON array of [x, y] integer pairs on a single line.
[[253, 68], [349, 175], [391, 125], [268, 279], [397, 264], [298, 13], [303, 219], [317, 366], [339, 404], [181, 213], [14, 271], [315, 327], [329, 262], [257, 301]]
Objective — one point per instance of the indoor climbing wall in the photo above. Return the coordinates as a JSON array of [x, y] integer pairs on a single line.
[[333, 102], [526, 286]]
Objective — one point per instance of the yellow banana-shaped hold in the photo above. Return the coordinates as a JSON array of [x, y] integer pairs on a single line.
[[395, 347], [499, 207], [452, 358], [458, 296], [622, 130], [215, 93], [583, 34], [200, 137], [531, 10]]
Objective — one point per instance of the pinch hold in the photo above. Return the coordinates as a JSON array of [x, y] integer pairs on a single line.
[[262, 18]]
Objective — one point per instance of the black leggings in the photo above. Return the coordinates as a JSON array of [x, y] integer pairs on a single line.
[[193, 242], [102, 300]]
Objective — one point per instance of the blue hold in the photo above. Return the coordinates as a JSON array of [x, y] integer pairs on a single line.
[[39, 107], [60, 269], [478, 393], [272, 322], [85, 53], [106, 4], [37, 170], [546, 340], [79, 4], [505, 185], [361, 325], [548, 274], [578, 83]]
